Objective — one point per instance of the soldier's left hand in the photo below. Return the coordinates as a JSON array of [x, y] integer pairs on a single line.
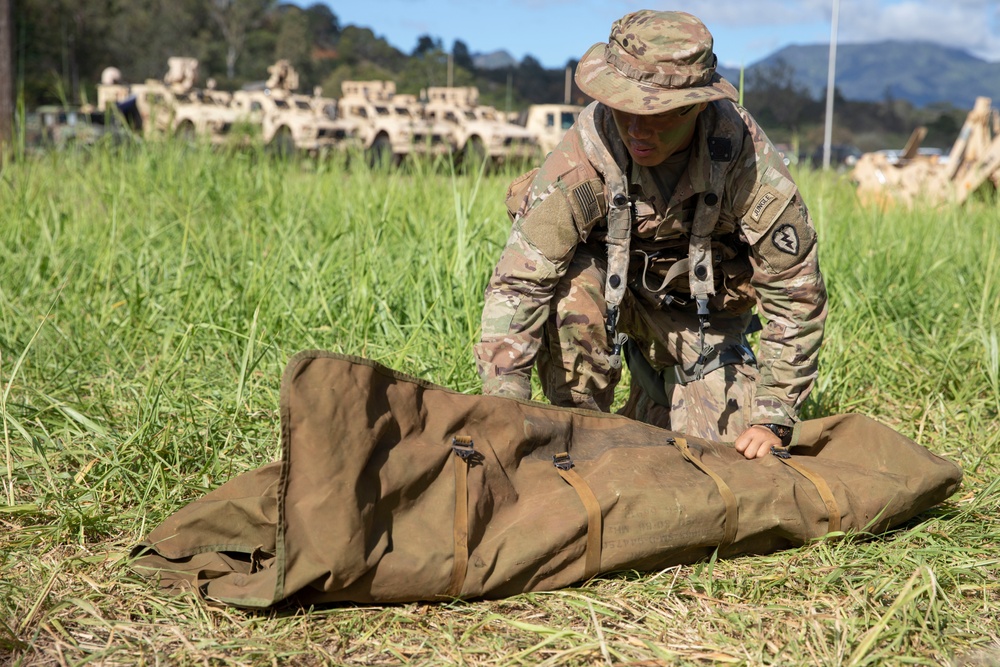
[[756, 442]]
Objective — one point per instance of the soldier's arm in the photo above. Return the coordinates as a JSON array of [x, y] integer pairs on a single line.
[[515, 309], [791, 294], [549, 224]]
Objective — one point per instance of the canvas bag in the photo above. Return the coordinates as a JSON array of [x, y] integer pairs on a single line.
[[392, 489]]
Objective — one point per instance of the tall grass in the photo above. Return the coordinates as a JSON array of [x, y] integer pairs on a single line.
[[150, 296]]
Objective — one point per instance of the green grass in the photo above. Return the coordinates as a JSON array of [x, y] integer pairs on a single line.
[[150, 297]]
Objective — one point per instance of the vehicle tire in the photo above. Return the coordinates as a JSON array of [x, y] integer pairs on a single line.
[[474, 155], [186, 132], [380, 152], [282, 144]]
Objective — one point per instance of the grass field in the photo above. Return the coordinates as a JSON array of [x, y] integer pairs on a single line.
[[150, 297]]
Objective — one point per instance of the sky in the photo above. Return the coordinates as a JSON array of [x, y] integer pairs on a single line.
[[745, 31]]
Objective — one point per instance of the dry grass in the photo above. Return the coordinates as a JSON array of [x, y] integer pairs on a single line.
[[149, 299]]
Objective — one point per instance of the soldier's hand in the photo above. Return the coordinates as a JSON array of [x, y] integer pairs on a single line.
[[756, 442]]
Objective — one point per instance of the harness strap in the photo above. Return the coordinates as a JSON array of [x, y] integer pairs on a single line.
[[679, 268], [655, 382], [833, 523], [619, 223], [462, 446], [595, 520], [731, 524]]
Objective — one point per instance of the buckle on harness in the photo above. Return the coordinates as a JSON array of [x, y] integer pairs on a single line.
[[463, 446], [562, 461], [746, 354]]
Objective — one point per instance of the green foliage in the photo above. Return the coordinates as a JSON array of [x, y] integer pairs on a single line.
[[150, 296]]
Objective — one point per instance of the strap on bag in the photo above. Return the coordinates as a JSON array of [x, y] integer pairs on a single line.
[[592, 561], [465, 456], [833, 523], [731, 524]]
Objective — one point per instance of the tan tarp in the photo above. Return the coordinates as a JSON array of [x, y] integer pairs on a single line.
[[393, 489]]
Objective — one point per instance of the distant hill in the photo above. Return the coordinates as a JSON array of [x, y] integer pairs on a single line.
[[494, 60], [920, 72]]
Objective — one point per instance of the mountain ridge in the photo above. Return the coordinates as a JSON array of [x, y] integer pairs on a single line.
[[920, 72], [866, 72]]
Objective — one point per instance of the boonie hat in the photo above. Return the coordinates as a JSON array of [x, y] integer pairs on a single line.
[[653, 62]]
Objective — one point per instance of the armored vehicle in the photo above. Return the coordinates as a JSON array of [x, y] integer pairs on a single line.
[[171, 107], [480, 132], [289, 121], [388, 126], [54, 127], [549, 122]]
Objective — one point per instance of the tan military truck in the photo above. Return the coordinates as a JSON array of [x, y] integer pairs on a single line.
[[549, 122], [480, 132], [388, 125], [170, 107], [289, 121]]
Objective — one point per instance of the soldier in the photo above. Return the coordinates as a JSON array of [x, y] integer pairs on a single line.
[[660, 221]]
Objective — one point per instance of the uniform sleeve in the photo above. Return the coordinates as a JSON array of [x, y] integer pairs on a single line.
[[557, 212], [791, 295]]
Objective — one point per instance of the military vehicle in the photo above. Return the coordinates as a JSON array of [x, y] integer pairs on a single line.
[[171, 107], [479, 132], [55, 127], [925, 177], [389, 127], [549, 123], [289, 121]]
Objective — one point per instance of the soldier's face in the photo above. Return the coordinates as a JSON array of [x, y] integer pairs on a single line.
[[652, 139]]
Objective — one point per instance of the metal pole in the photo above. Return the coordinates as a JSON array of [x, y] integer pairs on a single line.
[[830, 85], [569, 78], [451, 70]]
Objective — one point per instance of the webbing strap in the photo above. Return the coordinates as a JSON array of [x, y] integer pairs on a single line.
[[728, 497], [833, 525], [462, 448], [592, 561]]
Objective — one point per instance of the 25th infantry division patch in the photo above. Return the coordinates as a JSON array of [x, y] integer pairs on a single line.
[[786, 239]]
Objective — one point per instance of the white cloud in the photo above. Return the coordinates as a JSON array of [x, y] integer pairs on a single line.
[[970, 25]]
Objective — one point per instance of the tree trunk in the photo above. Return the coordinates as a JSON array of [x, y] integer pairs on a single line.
[[6, 78]]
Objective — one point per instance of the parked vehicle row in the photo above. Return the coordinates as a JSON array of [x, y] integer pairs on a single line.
[[369, 116]]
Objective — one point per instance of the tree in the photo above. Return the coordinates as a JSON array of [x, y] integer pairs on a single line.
[[235, 18], [461, 56], [426, 44], [6, 77], [293, 42], [323, 24]]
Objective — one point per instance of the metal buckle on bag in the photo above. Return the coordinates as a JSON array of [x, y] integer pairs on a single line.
[[781, 452], [463, 446], [562, 461]]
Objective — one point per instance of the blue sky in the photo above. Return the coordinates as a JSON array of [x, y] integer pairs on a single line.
[[555, 31]]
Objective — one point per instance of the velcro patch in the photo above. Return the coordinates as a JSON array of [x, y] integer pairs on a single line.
[[762, 203], [786, 239], [720, 149], [548, 226], [586, 199]]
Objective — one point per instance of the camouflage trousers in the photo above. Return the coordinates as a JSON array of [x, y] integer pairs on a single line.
[[576, 370]]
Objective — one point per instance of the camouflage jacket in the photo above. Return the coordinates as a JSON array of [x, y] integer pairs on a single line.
[[763, 223]]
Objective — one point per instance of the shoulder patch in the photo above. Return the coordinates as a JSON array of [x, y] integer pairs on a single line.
[[761, 204], [720, 149], [786, 239], [586, 200]]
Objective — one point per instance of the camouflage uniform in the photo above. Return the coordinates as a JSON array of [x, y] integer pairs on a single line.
[[545, 302]]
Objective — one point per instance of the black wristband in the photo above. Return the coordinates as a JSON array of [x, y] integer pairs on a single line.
[[783, 432]]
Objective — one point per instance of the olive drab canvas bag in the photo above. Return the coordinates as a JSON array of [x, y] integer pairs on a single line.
[[392, 489]]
